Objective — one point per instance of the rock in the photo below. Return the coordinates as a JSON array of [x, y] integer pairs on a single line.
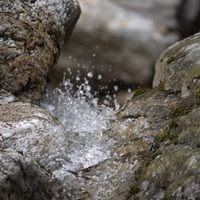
[[27, 138], [31, 36], [22, 178], [153, 142], [171, 75], [170, 115], [119, 48]]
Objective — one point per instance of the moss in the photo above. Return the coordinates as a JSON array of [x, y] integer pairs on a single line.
[[161, 138], [161, 86], [155, 154], [198, 96], [180, 111], [137, 177], [132, 191], [170, 59], [139, 174], [173, 124], [194, 73], [147, 162], [139, 92], [167, 135], [175, 140]]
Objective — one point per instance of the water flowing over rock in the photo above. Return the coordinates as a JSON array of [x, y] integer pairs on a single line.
[[149, 150], [31, 35]]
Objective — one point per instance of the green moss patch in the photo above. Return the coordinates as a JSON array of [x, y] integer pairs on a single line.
[[167, 135], [170, 59], [139, 92], [180, 111], [147, 159], [132, 191], [198, 97], [161, 86]]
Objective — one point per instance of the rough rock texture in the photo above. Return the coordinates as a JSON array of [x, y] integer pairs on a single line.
[[31, 35], [27, 135], [169, 164], [153, 142], [22, 178]]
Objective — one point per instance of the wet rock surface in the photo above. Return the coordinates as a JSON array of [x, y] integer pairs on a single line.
[[151, 145], [25, 136], [22, 178], [31, 35]]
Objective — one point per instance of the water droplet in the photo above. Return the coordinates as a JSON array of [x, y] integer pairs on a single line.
[[90, 75], [77, 78], [86, 81], [116, 88], [99, 76]]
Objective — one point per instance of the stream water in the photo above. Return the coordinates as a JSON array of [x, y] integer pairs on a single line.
[[85, 121]]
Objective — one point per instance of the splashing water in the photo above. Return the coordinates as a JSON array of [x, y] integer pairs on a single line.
[[85, 160], [84, 119]]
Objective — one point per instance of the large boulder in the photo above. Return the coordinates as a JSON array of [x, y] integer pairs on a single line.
[[168, 128], [152, 143], [26, 135], [31, 36]]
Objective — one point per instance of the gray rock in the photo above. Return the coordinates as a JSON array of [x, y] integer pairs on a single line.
[[22, 178], [153, 142], [31, 141], [31, 36], [177, 62], [169, 166]]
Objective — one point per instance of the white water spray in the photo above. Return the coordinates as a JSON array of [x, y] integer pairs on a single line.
[[84, 119]]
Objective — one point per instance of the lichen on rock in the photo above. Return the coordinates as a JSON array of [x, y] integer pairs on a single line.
[[31, 36]]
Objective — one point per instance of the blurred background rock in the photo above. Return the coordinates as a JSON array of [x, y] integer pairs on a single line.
[[115, 43]]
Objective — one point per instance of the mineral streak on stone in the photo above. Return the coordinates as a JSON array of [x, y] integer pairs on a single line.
[[31, 35]]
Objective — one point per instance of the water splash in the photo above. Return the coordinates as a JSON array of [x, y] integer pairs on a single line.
[[79, 111], [84, 119]]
